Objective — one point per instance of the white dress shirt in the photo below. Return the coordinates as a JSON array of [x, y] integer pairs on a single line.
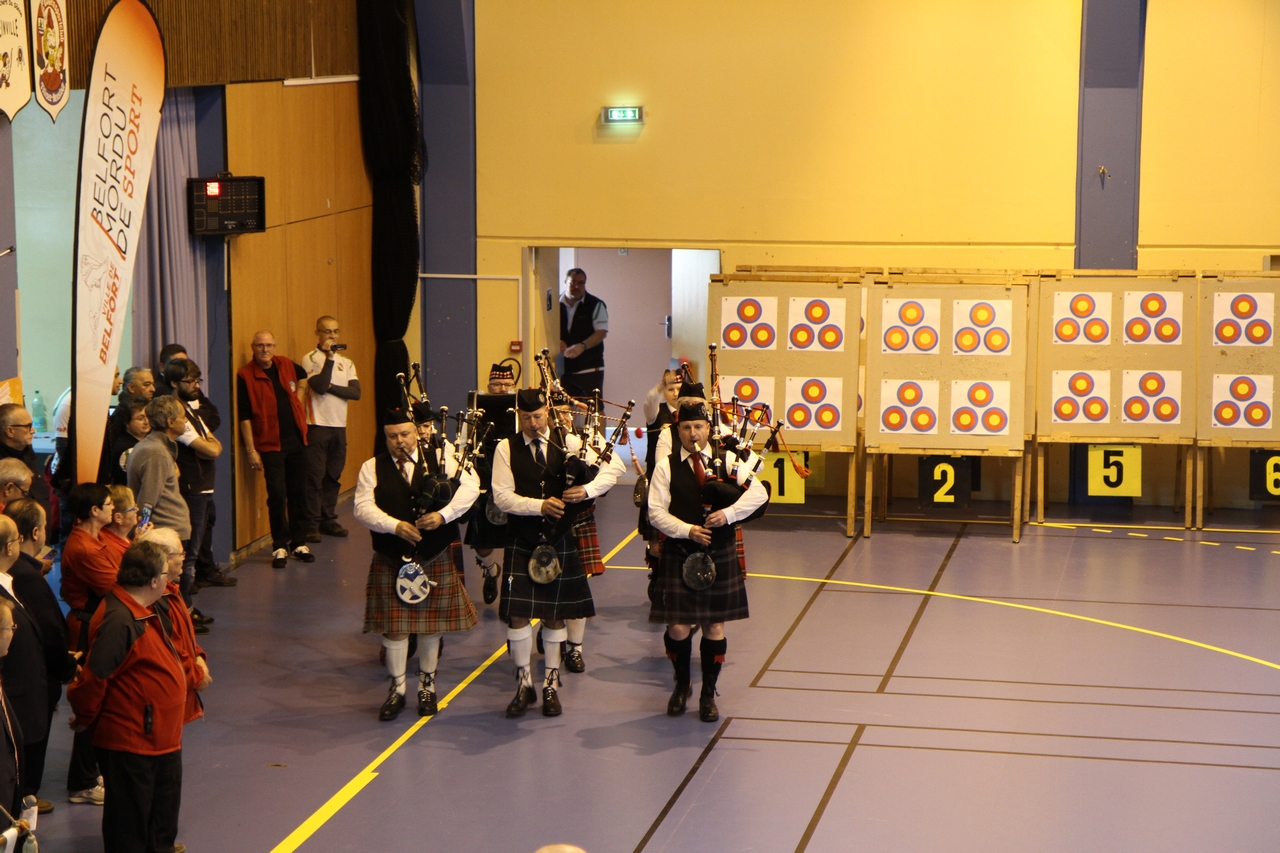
[[660, 496], [504, 482], [371, 515]]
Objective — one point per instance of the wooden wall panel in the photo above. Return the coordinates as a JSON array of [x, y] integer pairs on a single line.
[[354, 254], [255, 144], [311, 279], [212, 42], [309, 150], [350, 176]]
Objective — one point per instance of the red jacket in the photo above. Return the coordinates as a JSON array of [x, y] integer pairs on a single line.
[[132, 690], [116, 545], [89, 568], [183, 637], [262, 394]]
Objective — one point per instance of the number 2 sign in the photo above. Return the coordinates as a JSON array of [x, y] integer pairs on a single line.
[[1115, 470]]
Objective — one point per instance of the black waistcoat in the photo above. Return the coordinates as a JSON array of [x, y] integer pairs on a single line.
[[579, 330], [395, 497], [534, 483], [686, 498], [655, 429]]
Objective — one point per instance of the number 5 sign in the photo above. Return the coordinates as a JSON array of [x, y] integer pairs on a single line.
[[785, 484], [1115, 470]]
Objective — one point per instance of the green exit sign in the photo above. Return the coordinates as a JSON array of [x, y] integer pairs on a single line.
[[622, 115]]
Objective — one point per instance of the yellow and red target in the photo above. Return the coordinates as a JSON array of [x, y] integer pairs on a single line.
[[967, 339], [1258, 331], [1136, 408], [746, 390], [798, 416], [1081, 384], [1226, 413], [1067, 330], [894, 418], [1151, 384], [1167, 330], [910, 394], [830, 336], [925, 338], [1165, 409], [964, 419], [827, 416], [1082, 305], [1257, 413], [749, 311], [735, 335], [1227, 331], [1066, 408], [759, 413], [1096, 330], [801, 336], [762, 335], [813, 391], [817, 312], [923, 419], [997, 340], [1153, 305], [1244, 306], [980, 394], [994, 419], [1137, 330], [1243, 388], [982, 314], [1095, 409], [911, 313], [896, 338]]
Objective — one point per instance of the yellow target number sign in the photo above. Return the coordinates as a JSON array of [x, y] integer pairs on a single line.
[[785, 485], [1115, 470]]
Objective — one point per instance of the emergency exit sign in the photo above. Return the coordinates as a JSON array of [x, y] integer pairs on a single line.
[[622, 115]]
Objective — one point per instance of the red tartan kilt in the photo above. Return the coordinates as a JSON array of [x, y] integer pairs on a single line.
[[447, 609], [588, 540]]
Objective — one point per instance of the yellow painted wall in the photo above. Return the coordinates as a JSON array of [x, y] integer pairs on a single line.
[[1210, 135], [930, 133]]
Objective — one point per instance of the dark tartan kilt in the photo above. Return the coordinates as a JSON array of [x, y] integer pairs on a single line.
[[448, 608], [588, 541], [674, 603], [659, 537], [481, 532], [566, 597]]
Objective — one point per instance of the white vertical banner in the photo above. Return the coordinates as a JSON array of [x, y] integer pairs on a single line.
[[49, 61], [122, 104], [15, 61]]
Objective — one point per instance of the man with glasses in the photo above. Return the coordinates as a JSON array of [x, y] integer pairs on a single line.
[[273, 428], [16, 433], [332, 383], [15, 481]]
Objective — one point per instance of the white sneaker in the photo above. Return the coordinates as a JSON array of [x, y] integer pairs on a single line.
[[303, 554], [90, 796], [279, 558]]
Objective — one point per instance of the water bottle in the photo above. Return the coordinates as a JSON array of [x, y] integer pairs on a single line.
[[39, 417]]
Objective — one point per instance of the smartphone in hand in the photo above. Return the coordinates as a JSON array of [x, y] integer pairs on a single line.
[[144, 517]]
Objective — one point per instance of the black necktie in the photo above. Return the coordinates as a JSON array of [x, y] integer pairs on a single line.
[[538, 455]]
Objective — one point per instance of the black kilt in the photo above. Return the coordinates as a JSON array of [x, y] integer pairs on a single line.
[[674, 603], [566, 597], [481, 532]]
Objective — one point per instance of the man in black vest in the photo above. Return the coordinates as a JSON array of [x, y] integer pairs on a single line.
[[387, 502], [530, 485], [584, 324], [483, 535], [683, 507]]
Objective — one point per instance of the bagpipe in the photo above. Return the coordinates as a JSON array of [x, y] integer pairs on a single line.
[[438, 488]]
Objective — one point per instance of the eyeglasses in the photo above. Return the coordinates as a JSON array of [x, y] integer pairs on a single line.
[[195, 381], [10, 628], [127, 511], [28, 425]]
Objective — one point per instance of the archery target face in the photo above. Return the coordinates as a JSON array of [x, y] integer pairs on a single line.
[[909, 406], [1241, 401], [1243, 319], [816, 325], [910, 326], [1081, 317], [753, 392], [814, 403], [1081, 396], [749, 323], [1151, 397], [1152, 317], [982, 326], [979, 408]]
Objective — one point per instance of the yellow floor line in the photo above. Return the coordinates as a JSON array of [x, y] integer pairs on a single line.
[[1071, 526], [1100, 530], [1143, 535], [1245, 548], [321, 815], [1175, 539], [1215, 544]]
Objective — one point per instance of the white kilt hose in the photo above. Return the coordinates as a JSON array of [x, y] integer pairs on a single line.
[[447, 609]]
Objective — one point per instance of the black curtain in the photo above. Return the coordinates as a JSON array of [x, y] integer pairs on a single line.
[[396, 157]]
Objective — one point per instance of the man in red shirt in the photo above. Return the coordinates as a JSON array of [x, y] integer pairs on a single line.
[[132, 695], [182, 629]]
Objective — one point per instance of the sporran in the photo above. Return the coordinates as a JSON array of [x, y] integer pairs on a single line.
[[698, 571], [544, 564], [640, 495], [493, 514], [412, 584]]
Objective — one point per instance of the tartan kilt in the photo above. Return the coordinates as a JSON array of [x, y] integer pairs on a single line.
[[659, 537], [481, 532], [588, 544], [674, 603], [447, 609], [566, 597]]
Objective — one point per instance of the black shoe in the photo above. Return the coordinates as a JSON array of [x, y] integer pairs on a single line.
[[550, 701], [490, 589], [303, 554], [217, 579], [707, 710], [313, 535], [200, 618], [279, 558], [427, 702], [200, 628], [524, 698], [332, 528], [679, 700], [392, 707], [573, 658]]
